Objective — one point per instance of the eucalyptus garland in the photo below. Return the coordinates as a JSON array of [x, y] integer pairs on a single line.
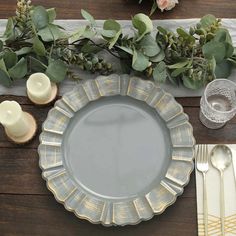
[[32, 42]]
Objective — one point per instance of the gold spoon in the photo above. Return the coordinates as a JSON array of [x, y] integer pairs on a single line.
[[221, 158]]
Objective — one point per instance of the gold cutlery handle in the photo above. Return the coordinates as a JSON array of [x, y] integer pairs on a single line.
[[205, 206], [222, 203]]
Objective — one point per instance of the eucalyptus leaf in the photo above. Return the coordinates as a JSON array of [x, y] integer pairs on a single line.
[[154, 7], [39, 47], [222, 35], [140, 62], [108, 33], [9, 33], [180, 64], [10, 58], [212, 64], [178, 71], [126, 49], [223, 70], [149, 46], [51, 14], [56, 71], [160, 73], [23, 51], [51, 33], [191, 83], [159, 57], [162, 30], [90, 48], [143, 24], [112, 25], [89, 33], [40, 17], [1, 45], [77, 35], [229, 50], [88, 16], [214, 49], [207, 20], [3, 65], [181, 32], [36, 65], [5, 79], [19, 70]]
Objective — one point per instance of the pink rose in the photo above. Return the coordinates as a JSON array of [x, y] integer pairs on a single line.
[[166, 4]]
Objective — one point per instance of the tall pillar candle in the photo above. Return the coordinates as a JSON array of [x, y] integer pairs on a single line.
[[13, 118], [39, 88]]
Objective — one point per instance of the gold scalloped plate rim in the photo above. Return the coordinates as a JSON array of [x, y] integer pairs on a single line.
[[141, 97]]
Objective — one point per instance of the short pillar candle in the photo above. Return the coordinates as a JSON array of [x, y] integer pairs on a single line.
[[13, 118], [20, 126], [40, 90]]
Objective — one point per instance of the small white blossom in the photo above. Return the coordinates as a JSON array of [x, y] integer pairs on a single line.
[[166, 4]]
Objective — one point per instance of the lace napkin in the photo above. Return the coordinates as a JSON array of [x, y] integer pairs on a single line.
[[213, 195]]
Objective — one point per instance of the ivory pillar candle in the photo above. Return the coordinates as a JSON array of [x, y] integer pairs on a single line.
[[13, 118], [39, 88]]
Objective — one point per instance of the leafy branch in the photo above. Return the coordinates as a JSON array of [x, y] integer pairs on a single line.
[[32, 42]]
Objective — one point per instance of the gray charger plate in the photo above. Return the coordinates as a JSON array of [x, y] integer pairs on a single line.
[[116, 150]]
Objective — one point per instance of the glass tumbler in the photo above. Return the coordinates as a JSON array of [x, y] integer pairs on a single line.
[[218, 103]]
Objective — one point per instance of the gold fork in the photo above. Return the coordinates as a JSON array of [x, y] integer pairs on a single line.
[[203, 166]]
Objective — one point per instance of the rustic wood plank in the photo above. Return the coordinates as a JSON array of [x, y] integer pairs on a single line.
[[124, 9], [20, 172], [42, 215]]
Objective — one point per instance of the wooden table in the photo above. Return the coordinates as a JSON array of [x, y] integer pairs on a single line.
[[27, 208]]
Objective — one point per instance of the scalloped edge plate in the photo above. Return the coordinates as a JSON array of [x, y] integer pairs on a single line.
[[106, 211]]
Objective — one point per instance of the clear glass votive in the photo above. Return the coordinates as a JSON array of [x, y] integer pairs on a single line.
[[218, 103]]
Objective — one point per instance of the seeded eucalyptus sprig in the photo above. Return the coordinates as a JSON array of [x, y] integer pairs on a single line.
[[32, 42], [198, 56], [193, 57]]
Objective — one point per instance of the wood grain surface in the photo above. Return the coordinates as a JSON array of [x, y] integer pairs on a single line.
[[27, 208]]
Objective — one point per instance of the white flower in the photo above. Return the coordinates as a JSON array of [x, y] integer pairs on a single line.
[[166, 4]]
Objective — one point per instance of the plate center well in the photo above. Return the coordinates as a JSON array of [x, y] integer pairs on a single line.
[[117, 147]]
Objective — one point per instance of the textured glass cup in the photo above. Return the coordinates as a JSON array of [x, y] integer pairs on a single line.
[[218, 103]]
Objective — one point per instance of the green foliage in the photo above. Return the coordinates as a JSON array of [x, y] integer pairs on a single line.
[[19, 70], [139, 62], [33, 43], [40, 17], [4, 76], [149, 46], [56, 71], [38, 47], [198, 56], [111, 32], [143, 24], [51, 14], [30, 34], [9, 31], [88, 17], [10, 58], [160, 72], [207, 21]]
